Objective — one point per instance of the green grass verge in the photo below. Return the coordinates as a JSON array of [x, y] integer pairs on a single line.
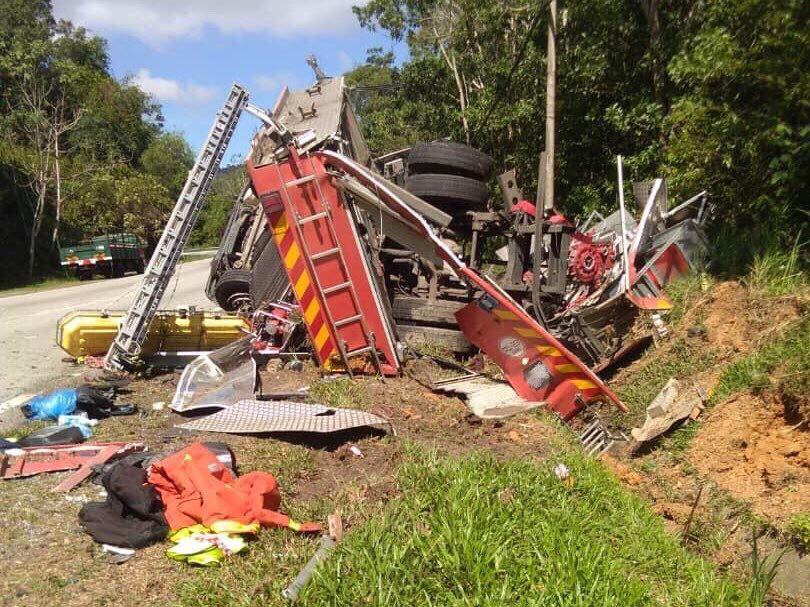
[[477, 532], [39, 284]]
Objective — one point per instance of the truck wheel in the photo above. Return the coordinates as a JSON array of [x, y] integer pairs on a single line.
[[449, 158], [233, 290], [447, 191], [140, 267]]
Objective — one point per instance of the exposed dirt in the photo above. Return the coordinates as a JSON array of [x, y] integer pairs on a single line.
[[750, 457], [747, 447], [46, 559], [737, 322]]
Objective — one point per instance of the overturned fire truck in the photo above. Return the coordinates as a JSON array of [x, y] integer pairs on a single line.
[[378, 255]]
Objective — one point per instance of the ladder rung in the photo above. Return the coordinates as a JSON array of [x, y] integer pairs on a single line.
[[296, 182], [323, 254], [315, 217], [335, 288], [346, 321], [359, 351]]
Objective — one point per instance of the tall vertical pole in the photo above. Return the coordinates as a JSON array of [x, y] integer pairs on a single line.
[[551, 93], [625, 261]]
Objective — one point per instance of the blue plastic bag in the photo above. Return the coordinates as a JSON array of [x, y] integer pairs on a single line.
[[51, 406]]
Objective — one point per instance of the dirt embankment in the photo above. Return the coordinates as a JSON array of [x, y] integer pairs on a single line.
[[737, 322], [747, 446], [748, 459]]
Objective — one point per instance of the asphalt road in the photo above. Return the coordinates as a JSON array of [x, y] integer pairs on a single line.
[[31, 361]]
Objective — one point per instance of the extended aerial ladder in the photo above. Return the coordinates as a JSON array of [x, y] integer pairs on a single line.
[[132, 331]]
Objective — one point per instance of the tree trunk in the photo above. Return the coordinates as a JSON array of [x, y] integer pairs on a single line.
[[551, 93], [36, 224], [462, 93], [58, 176], [650, 8]]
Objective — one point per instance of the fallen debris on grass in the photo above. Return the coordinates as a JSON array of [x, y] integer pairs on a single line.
[[255, 417], [675, 402], [17, 463]]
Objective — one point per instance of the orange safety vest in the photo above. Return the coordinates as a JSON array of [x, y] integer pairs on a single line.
[[195, 487]]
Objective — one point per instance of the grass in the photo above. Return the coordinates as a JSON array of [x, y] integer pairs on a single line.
[[798, 530], [681, 359], [196, 256], [474, 531], [40, 284], [27, 428], [777, 272], [686, 293], [789, 352], [338, 392], [763, 572]]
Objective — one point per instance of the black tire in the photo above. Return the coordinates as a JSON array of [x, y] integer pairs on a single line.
[[233, 289], [449, 158], [268, 278], [449, 190]]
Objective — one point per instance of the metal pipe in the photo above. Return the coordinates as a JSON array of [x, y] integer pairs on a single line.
[[302, 579]]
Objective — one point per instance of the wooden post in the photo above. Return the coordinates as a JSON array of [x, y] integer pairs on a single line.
[[551, 91]]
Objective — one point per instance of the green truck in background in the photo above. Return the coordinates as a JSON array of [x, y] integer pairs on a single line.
[[110, 255]]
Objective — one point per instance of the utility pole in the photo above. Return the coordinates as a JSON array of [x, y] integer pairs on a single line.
[[551, 93]]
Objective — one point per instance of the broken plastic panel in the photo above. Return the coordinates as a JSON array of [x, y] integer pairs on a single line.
[[217, 379]]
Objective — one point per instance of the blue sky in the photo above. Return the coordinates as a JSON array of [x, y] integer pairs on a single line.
[[187, 53]]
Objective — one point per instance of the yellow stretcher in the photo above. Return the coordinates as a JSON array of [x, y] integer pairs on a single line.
[[90, 332]]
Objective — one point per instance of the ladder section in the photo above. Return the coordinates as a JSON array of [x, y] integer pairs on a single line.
[[133, 328], [330, 274]]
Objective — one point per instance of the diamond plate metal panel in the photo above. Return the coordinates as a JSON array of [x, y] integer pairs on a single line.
[[255, 416]]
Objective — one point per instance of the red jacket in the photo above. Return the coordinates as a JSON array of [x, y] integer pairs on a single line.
[[195, 487]]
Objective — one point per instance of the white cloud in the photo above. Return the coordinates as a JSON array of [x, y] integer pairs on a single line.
[[165, 89], [158, 21]]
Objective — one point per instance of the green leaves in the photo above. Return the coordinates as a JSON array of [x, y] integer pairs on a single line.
[[714, 98]]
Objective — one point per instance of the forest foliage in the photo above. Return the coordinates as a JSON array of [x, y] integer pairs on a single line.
[[81, 152], [711, 94]]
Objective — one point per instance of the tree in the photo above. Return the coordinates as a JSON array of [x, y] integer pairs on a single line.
[[41, 124], [168, 159], [712, 95], [66, 124]]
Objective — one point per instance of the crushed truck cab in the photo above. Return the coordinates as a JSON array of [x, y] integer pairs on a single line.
[[314, 224]]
